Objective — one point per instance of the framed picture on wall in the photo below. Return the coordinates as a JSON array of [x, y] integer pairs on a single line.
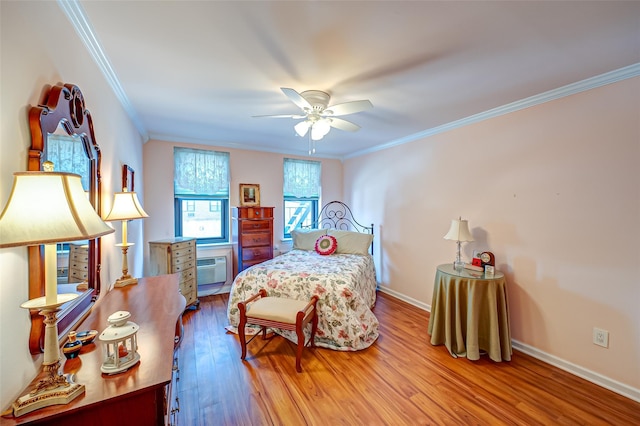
[[249, 194], [127, 178]]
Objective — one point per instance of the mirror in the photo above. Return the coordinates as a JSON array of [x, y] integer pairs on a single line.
[[67, 153], [62, 116]]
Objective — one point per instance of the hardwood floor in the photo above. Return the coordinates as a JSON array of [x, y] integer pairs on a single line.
[[400, 380]]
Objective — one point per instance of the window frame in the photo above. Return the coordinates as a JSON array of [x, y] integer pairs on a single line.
[[315, 202], [179, 199]]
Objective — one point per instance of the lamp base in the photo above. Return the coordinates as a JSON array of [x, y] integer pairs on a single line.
[[458, 265], [125, 280], [55, 389]]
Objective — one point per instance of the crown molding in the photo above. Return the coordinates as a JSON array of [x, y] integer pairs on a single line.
[[77, 17], [561, 92]]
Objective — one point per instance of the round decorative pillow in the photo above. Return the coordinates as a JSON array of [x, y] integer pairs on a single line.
[[326, 245]]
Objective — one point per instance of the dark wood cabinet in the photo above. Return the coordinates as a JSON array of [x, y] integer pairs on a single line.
[[143, 395], [252, 235]]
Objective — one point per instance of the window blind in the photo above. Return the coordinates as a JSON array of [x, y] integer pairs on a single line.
[[68, 155], [201, 172], [301, 178]]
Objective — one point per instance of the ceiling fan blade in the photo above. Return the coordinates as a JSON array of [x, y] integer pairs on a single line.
[[341, 124], [348, 108], [280, 116], [297, 98]]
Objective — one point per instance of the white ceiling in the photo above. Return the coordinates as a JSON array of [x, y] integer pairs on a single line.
[[197, 71]]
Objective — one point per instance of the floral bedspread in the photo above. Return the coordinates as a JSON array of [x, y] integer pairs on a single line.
[[344, 283]]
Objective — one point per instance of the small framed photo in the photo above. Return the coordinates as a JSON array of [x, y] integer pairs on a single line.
[[127, 178], [489, 270], [249, 194]]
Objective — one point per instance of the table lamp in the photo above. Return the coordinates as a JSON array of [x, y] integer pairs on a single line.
[[125, 207], [459, 232], [47, 208]]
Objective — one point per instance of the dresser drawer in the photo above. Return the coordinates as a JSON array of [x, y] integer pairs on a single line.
[[256, 225], [183, 249], [183, 265], [187, 286], [255, 212], [185, 258], [188, 290], [79, 257], [76, 274], [248, 263], [186, 274], [256, 239], [78, 266], [257, 253]]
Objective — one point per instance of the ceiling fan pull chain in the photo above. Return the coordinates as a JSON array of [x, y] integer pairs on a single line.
[[312, 145]]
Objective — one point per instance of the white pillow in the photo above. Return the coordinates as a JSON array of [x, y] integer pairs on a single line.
[[306, 240], [350, 242]]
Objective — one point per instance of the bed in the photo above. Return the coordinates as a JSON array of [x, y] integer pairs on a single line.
[[344, 281]]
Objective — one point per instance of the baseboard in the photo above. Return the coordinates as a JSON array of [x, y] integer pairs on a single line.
[[409, 300], [576, 370]]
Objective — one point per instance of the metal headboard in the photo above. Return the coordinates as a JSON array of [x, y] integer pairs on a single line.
[[337, 215]]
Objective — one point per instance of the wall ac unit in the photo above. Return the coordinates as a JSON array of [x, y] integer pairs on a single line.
[[212, 270]]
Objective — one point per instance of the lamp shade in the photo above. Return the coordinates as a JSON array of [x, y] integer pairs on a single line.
[[459, 231], [47, 208], [302, 127], [320, 128], [126, 207]]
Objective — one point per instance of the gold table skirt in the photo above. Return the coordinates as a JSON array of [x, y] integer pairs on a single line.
[[469, 314]]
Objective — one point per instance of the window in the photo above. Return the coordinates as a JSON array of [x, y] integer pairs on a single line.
[[68, 155], [301, 193], [201, 193]]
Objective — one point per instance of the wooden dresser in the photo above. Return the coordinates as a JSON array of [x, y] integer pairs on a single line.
[[78, 263], [252, 235], [142, 395], [176, 255]]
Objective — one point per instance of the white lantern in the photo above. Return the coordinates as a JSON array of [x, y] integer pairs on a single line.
[[120, 343]]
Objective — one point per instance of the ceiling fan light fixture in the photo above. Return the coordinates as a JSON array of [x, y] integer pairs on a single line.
[[318, 116], [315, 134], [302, 128], [320, 128]]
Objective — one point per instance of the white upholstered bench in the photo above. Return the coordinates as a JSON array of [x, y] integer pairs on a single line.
[[278, 312]]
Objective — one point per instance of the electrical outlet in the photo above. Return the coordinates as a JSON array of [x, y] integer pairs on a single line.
[[600, 337]]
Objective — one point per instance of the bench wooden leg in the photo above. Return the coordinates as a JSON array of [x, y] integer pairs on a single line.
[[241, 328], [300, 333], [314, 327]]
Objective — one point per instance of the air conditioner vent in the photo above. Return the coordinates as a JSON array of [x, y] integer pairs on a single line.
[[208, 261], [212, 270]]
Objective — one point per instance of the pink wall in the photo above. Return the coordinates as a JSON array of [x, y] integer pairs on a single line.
[[40, 47], [263, 168], [554, 192]]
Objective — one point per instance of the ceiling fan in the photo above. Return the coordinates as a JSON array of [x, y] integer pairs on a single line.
[[318, 116]]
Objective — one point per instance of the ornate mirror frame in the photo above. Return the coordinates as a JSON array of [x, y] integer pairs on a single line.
[[63, 106]]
